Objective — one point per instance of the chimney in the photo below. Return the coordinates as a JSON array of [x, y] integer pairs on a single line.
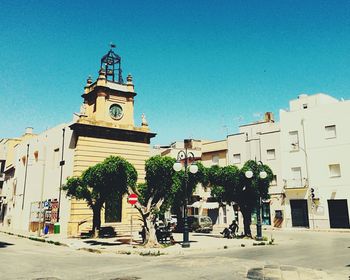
[[29, 130], [188, 143], [269, 117]]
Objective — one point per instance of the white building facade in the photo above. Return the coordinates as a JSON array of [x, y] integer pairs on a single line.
[[39, 174], [315, 146], [260, 141]]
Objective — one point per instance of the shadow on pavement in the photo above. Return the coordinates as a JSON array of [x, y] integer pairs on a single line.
[[4, 244], [207, 234], [95, 242]]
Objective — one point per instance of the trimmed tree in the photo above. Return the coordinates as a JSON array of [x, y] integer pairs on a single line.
[[112, 176], [250, 190], [223, 183], [163, 188], [157, 189]]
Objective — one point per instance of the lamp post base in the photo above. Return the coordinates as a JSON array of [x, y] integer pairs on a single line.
[[185, 244], [258, 236]]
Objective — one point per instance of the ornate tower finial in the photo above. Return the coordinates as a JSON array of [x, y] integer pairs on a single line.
[[102, 74], [144, 121], [89, 80], [129, 79], [129, 83], [111, 63]]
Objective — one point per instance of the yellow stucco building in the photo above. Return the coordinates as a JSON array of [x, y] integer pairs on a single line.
[[103, 127]]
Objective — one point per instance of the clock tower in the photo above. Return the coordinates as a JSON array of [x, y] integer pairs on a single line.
[[108, 101], [105, 127]]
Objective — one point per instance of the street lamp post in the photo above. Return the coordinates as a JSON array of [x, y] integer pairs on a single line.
[[262, 175], [188, 159]]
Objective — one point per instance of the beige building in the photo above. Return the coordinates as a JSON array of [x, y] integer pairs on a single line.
[[37, 166], [214, 153], [172, 150]]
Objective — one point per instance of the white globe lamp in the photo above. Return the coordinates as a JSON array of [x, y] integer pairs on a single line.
[[249, 174], [193, 168], [263, 174], [177, 166]]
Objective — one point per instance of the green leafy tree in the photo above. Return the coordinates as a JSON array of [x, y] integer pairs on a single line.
[[250, 190], [163, 188], [223, 182], [113, 176], [158, 189], [229, 184]]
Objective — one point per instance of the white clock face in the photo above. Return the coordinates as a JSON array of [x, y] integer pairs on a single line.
[[116, 111]]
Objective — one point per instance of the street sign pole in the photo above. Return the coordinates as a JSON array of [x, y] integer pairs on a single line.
[[132, 199], [131, 231]]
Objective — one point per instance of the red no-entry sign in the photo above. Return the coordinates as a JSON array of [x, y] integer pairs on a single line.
[[132, 199]]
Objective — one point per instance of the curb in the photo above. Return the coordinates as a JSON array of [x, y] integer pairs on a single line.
[[38, 239]]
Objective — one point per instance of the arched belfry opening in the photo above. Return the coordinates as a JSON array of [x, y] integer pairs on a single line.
[[111, 63]]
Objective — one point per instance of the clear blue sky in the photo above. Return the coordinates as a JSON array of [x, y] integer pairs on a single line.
[[197, 65]]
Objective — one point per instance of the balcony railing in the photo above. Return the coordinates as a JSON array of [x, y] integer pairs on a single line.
[[299, 183]]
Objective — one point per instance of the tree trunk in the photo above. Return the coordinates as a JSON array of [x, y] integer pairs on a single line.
[[149, 230], [151, 240], [96, 220], [247, 217]]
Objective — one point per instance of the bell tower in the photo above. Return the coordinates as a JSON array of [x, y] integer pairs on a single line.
[[108, 101], [111, 63], [105, 127]]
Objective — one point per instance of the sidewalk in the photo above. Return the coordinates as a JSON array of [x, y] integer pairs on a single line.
[[123, 245], [298, 229]]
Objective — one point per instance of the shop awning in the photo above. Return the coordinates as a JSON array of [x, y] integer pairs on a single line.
[[205, 205]]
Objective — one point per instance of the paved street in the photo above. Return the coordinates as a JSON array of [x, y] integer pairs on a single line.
[[296, 255], [329, 251]]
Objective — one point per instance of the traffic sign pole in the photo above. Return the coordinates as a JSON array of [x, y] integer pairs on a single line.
[[132, 199], [131, 231]]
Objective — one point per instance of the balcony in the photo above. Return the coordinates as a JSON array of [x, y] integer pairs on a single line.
[[299, 183]]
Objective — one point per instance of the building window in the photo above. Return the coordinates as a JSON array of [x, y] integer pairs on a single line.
[[236, 158], [294, 140], [334, 170], [215, 160], [271, 154], [274, 181], [36, 155], [195, 211], [296, 177], [330, 131]]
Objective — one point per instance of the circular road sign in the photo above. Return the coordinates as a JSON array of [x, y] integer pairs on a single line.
[[132, 199]]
